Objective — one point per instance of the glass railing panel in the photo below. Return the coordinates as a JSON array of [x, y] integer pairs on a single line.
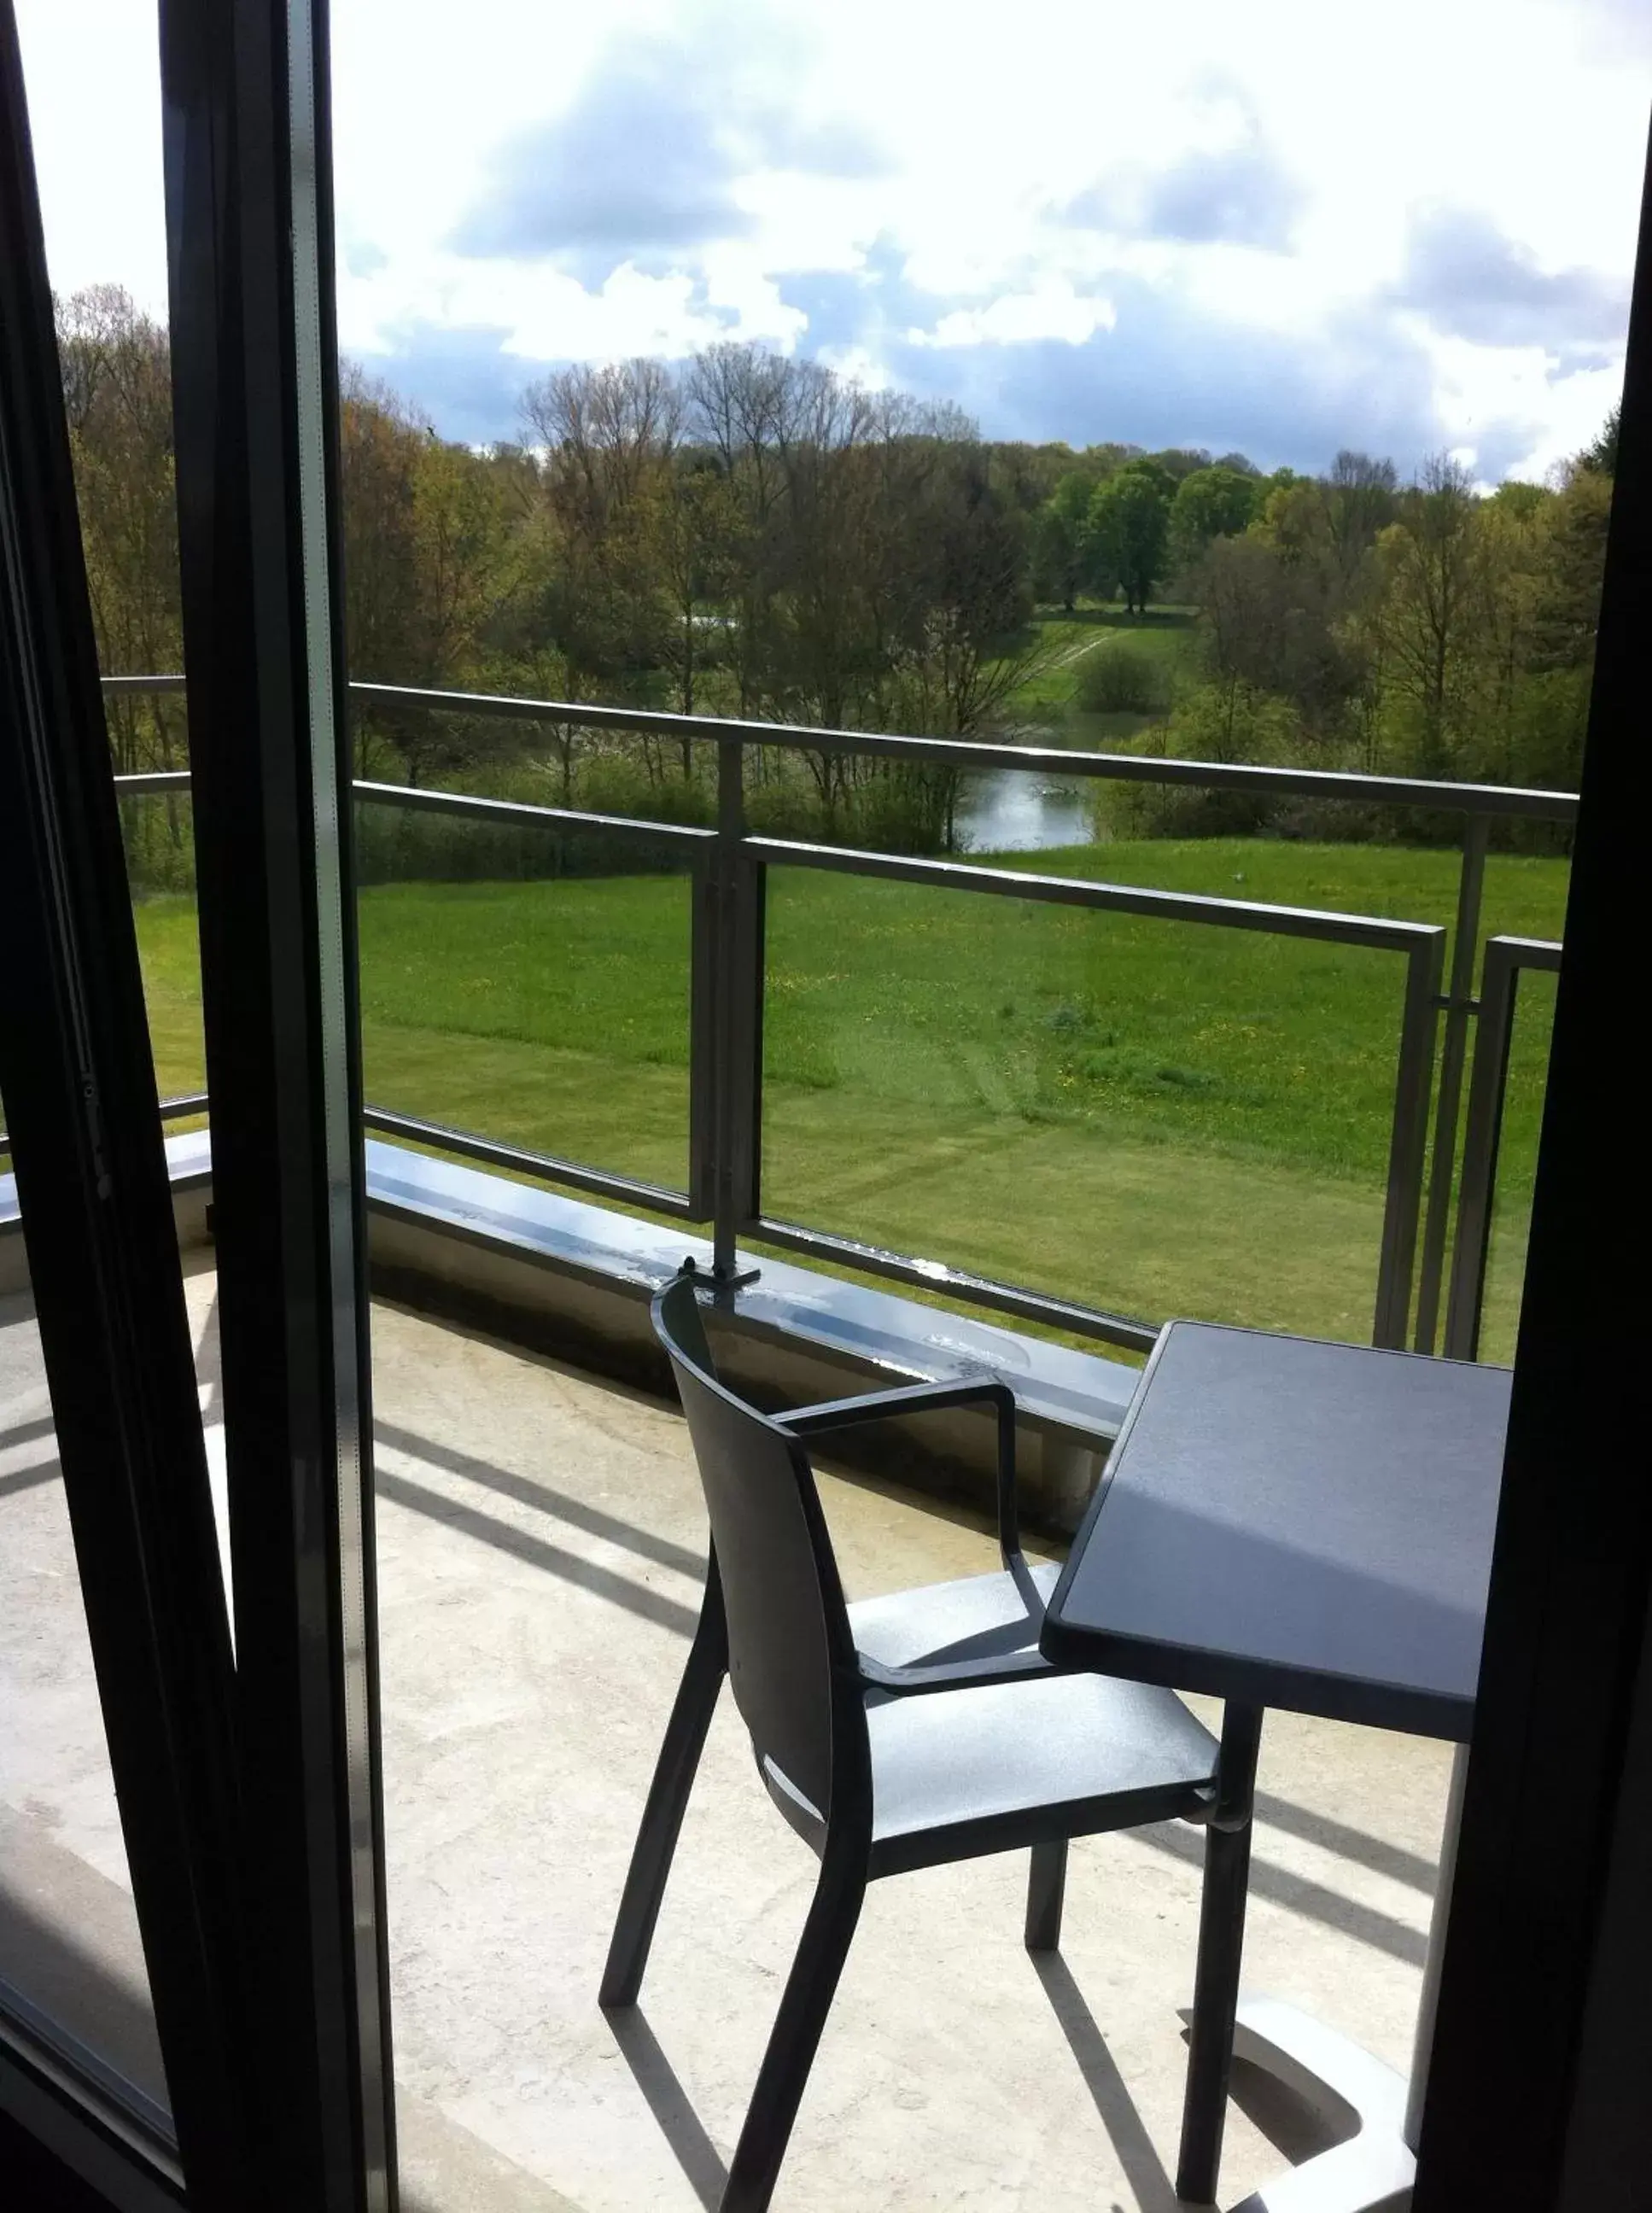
[[1149, 1116], [529, 984]]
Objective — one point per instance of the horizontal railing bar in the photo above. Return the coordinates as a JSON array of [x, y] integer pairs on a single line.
[[964, 753], [1514, 801], [417, 800], [978, 1290], [1539, 953], [1382, 932], [656, 1197], [153, 783]]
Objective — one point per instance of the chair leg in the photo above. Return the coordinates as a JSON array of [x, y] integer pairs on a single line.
[[1222, 1943], [755, 2168], [1046, 1888], [668, 1799]]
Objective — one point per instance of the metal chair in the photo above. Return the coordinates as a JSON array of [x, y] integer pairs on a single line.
[[898, 1734]]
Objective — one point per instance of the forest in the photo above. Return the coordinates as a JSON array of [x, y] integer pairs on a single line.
[[746, 533]]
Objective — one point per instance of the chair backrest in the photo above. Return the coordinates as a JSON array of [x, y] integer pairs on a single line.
[[787, 1628]]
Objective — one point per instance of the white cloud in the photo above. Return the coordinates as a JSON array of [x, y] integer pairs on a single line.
[[1090, 179], [1053, 311]]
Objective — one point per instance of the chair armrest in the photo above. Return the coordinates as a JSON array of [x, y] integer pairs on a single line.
[[951, 1674], [888, 1405], [929, 1399]]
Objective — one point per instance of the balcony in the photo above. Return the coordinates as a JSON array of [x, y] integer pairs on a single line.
[[539, 1546], [541, 1533]]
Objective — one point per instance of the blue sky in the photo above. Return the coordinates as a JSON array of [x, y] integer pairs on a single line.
[[1285, 227]]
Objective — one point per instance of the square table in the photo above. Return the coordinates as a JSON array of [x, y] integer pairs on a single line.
[[1286, 1522]]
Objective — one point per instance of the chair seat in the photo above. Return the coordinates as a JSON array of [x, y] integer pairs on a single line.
[[960, 1772], [980, 1617], [984, 1770]]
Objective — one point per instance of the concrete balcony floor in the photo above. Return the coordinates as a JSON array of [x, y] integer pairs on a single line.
[[540, 1542]]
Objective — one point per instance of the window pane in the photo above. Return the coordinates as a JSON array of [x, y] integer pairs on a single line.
[[70, 1959]]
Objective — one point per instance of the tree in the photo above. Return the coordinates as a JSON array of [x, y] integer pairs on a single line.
[[1128, 532], [701, 545], [1600, 458], [607, 436], [1430, 610], [378, 445], [1057, 547], [1211, 503], [1573, 532], [956, 660], [117, 376], [1178, 462], [1361, 497]]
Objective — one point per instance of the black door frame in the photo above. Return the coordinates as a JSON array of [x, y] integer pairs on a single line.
[[91, 1173], [249, 1781], [248, 143], [1539, 2095]]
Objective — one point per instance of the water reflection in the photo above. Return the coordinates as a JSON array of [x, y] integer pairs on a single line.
[[1013, 811]]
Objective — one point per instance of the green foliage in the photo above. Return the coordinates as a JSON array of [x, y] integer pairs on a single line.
[[118, 397], [1423, 630], [1600, 458], [1128, 532], [1215, 503], [1231, 722], [1058, 541], [748, 534], [1122, 679]]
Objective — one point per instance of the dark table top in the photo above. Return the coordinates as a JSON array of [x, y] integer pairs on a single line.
[[1295, 1524]]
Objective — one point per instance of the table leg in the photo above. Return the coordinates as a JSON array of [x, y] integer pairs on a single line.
[[1373, 2170], [1222, 1943]]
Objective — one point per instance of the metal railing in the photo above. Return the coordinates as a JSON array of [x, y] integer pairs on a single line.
[[727, 867], [1506, 960]]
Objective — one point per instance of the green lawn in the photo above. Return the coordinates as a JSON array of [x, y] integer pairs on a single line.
[[1066, 642], [1157, 1116]]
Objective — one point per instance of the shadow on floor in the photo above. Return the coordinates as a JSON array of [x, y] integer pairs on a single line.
[[680, 2125], [1349, 1843], [522, 1545], [1143, 2169]]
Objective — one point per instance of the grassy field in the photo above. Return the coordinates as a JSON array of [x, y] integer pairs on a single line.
[[1067, 641], [1157, 1116]]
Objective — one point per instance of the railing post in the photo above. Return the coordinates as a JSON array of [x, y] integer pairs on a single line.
[[737, 1017], [1460, 1008], [703, 1088], [1504, 958], [1410, 1142]]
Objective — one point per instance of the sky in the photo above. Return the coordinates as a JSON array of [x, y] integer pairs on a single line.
[[1281, 228]]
